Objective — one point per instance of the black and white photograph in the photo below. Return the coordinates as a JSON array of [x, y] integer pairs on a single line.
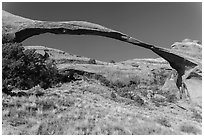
[[101, 68]]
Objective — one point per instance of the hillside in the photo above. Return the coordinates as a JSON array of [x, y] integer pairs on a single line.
[[92, 107], [132, 97]]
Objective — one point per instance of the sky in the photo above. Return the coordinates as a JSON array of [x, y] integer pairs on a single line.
[[160, 24]]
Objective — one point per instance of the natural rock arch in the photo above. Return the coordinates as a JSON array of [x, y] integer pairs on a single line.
[[17, 29]]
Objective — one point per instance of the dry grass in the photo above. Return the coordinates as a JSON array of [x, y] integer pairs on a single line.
[[83, 108], [164, 121], [190, 128], [196, 115]]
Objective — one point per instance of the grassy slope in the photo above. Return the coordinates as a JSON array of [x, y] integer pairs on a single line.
[[89, 107]]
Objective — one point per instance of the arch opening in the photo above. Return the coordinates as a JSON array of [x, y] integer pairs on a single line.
[[100, 48]]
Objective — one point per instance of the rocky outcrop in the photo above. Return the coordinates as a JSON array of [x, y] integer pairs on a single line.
[[170, 86], [17, 29]]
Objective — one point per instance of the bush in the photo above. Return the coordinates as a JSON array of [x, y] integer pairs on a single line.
[[134, 81], [24, 69], [112, 61], [118, 84], [102, 79], [159, 76], [92, 61]]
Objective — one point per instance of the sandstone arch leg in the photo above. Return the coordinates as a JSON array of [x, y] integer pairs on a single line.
[[184, 94]]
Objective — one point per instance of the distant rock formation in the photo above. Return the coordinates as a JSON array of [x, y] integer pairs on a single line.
[[189, 47], [17, 29]]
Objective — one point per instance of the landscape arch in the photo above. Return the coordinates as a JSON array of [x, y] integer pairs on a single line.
[[17, 29]]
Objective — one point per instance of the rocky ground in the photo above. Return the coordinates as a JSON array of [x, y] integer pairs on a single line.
[[133, 103]]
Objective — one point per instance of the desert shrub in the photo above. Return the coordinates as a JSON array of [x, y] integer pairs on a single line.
[[125, 92], [139, 100], [92, 61], [127, 87], [102, 79], [128, 80], [46, 103], [112, 61], [171, 97], [118, 84], [24, 69], [158, 100], [159, 76], [134, 81], [37, 91]]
